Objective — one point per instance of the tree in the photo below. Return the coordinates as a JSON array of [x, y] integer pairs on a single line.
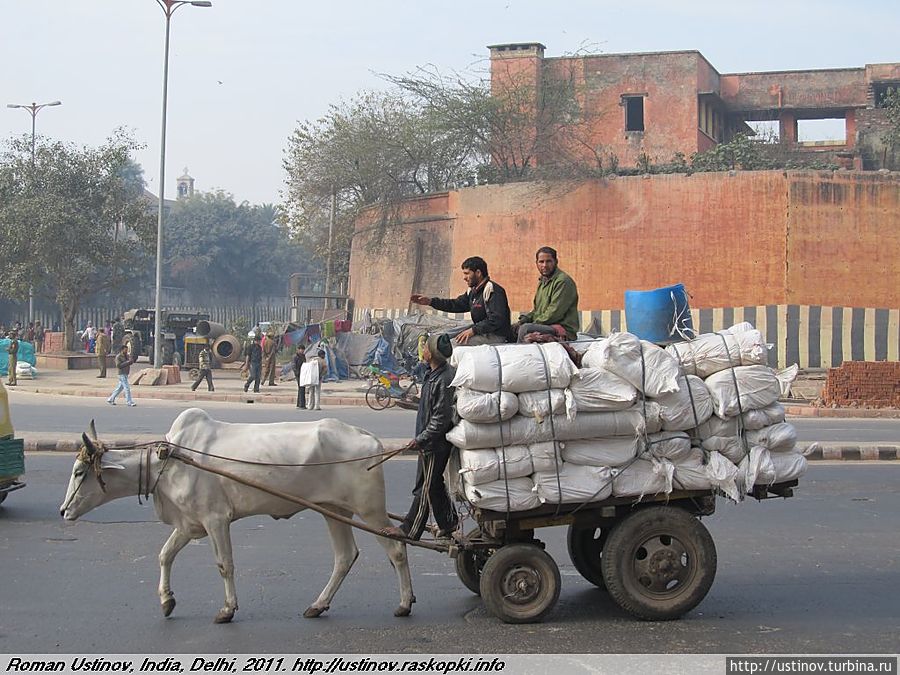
[[228, 251], [63, 218], [891, 138]]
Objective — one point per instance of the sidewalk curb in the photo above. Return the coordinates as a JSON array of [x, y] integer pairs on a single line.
[[825, 452], [794, 410]]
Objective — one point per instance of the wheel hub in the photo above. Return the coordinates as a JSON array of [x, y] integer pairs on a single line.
[[521, 585], [662, 565]]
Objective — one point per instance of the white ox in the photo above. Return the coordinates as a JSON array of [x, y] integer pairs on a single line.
[[198, 503]]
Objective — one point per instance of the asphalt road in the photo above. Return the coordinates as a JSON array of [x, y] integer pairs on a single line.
[[818, 573], [70, 415]]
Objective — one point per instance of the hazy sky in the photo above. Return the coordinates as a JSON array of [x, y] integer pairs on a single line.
[[243, 72]]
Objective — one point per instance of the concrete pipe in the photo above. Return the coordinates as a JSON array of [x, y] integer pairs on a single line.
[[210, 329], [226, 348]]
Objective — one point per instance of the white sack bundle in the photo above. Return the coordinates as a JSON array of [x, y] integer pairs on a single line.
[[757, 385], [478, 406], [579, 484], [478, 466], [756, 469], [524, 367], [788, 466], [493, 496], [717, 473], [526, 430], [602, 451], [597, 390], [780, 437], [483, 466], [685, 409], [672, 445], [731, 447], [655, 372], [752, 419], [713, 352], [644, 477], [537, 404], [546, 456]]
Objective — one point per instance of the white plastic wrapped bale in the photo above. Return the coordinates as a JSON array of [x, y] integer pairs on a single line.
[[776, 438], [483, 407], [788, 465], [483, 466], [740, 345], [602, 451], [671, 445], [493, 496], [524, 367], [757, 388], [538, 404], [731, 447], [686, 408], [644, 477], [546, 456], [692, 473], [642, 364], [752, 419], [526, 430], [597, 390], [579, 484], [756, 469]]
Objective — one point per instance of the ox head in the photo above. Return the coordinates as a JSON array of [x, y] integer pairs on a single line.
[[87, 487]]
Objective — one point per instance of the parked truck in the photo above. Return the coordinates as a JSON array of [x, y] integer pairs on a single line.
[[140, 326]]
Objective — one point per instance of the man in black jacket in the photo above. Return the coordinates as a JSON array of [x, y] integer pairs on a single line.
[[485, 299], [433, 421]]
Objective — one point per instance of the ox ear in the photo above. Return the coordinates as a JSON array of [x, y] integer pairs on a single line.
[[93, 431], [89, 446]]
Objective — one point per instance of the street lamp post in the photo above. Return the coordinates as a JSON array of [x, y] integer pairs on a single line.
[[168, 8], [33, 110]]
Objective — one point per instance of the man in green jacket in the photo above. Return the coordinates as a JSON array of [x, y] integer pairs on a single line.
[[555, 301]]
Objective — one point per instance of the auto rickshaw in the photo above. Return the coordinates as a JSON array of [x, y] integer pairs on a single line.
[[12, 451]]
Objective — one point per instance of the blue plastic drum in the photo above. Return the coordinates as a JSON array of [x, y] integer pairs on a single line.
[[661, 316]]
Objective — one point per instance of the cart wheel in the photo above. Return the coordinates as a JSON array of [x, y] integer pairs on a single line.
[[586, 551], [470, 563], [659, 563], [378, 397], [520, 583]]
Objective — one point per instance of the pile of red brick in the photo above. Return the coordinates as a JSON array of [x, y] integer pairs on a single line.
[[873, 384], [54, 342]]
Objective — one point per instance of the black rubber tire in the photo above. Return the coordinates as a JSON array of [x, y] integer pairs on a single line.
[[469, 565], [378, 397], [585, 546], [520, 583], [659, 563]]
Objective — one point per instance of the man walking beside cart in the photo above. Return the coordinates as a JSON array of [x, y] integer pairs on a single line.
[[485, 299], [433, 420]]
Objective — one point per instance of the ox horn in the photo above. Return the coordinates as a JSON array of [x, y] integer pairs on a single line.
[[89, 446], [93, 430]]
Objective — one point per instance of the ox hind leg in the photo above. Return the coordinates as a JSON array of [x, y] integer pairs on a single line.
[[176, 541], [396, 551], [219, 532], [345, 554]]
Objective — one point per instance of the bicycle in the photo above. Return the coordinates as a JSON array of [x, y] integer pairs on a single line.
[[387, 390]]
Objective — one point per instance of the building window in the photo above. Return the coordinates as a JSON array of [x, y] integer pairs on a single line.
[[634, 113]]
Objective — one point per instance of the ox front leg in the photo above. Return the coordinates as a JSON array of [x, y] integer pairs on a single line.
[[396, 551], [220, 535], [345, 554], [176, 541]]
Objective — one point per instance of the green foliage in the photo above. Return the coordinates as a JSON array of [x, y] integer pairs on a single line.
[[891, 138], [227, 252], [74, 220]]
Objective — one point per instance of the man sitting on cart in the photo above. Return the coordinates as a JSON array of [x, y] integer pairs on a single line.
[[485, 299], [433, 421]]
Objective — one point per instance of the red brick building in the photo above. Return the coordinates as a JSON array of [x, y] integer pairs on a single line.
[[663, 103]]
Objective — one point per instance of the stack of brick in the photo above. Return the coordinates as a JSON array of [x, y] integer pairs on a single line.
[[173, 375], [54, 342], [873, 384]]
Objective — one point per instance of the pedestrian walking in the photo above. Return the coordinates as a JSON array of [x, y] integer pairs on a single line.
[[102, 349], [38, 337], [297, 365], [270, 355], [253, 364], [311, 375], [123, 365], [29, 332], [13, 350], [88, 337], [205, 370]]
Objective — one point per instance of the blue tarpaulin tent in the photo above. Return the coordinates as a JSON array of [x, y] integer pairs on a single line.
[[25, 354]]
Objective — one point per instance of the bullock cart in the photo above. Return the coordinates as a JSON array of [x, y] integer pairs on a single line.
[[655, 557]]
